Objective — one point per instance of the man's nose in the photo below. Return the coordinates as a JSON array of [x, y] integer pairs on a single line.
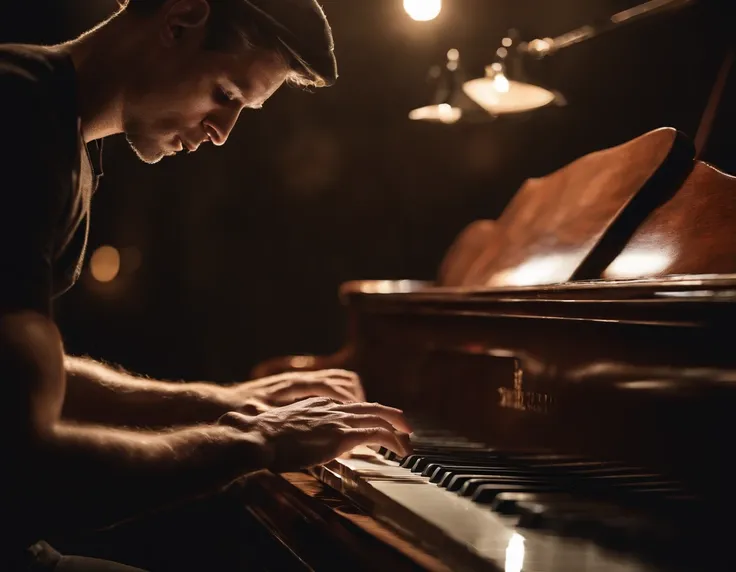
[[220, 124]]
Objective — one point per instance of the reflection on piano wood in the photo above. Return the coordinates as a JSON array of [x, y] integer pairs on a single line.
[[518, 398], [574, 378], [317, 528]]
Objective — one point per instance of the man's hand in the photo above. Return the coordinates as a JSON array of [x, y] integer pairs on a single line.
[[258, 396], [99, 394], [317, 430]]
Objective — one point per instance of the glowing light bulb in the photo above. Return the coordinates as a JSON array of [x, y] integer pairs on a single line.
[[423, 10], [444, 113], [447, 113], [501, 83]]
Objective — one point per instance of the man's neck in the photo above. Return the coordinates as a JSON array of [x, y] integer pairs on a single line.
[[101, 58]]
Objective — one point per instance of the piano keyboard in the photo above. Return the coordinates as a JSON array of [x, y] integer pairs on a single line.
[[483, 509]]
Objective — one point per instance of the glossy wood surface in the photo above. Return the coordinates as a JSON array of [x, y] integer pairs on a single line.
[[692, 232], [475, 241], [554, 223], [317, 528]]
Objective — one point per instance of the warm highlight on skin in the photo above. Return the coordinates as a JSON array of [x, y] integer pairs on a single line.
[[196, 100]]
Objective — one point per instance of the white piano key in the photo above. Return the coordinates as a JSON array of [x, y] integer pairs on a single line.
[[452, 524]]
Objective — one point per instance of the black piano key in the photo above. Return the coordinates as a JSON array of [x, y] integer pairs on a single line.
[[440, 437], [455, 481], [473, 466], [431, 468], [621, 480], [388, 454], [438, 472], [535, 516], [566, 517], [451, 450], [409, 460], [575, 465], [440, 467], [440, 455], [449, 444], [468, 486], [485, 494], [448, 477], [548, 460], [417, 463], [602, 470], [506, 503]]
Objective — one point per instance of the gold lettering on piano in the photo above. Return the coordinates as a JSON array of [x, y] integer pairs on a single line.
[[521, 400]]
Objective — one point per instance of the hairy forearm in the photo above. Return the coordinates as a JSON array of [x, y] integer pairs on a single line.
[[97, 393], [87, 477]]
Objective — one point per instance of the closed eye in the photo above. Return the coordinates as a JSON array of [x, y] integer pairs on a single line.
[[223, 96]]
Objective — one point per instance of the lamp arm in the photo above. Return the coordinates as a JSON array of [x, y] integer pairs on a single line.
[[542, 47]]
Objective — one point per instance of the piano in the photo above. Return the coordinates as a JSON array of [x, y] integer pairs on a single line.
[[571, 376]]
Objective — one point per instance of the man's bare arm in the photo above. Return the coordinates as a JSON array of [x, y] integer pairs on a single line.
[[62, 475], [98, 393], [91, 476]]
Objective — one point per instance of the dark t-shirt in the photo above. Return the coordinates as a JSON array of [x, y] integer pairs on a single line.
[[48, 178]]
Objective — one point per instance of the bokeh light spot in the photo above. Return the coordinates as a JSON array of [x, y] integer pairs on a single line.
[[105, 264]]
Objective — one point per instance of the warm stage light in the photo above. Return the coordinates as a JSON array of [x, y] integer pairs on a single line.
[[442, 113], [423, 10], [498, 95], [105, 264]]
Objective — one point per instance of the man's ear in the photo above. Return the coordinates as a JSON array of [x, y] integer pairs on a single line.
[[182, 16]]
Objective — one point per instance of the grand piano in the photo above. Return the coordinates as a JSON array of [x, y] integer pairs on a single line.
[[571, 377]]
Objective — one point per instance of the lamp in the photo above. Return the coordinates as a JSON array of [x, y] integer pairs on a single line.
[[498, 94], [449, 104], [423, 10]]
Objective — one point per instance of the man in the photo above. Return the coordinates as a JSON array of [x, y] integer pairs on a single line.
[[84, 445]]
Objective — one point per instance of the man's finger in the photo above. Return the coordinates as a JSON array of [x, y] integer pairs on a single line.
[[367, 421], [234, 419], [338, 373], [396, 442], [354, 388], [343, 376], [391, 414], [303, 388]]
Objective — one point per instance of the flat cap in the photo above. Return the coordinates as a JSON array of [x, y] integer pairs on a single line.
[[302, 28]]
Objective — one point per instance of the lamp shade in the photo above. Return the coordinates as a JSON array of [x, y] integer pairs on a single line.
[[449, 104], [441, 113], [499, 95]]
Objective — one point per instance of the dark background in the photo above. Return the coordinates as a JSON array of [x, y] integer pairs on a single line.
[[235, 254]]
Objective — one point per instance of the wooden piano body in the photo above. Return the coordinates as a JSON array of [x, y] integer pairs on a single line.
[[594, 318]]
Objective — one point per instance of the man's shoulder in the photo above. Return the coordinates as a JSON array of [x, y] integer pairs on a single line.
[[33, 75], [22, 63]]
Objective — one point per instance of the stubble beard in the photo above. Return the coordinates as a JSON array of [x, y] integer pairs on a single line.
[[145, 147], [149, 156]]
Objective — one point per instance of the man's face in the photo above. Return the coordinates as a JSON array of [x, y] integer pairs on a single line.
[[185, 95]]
